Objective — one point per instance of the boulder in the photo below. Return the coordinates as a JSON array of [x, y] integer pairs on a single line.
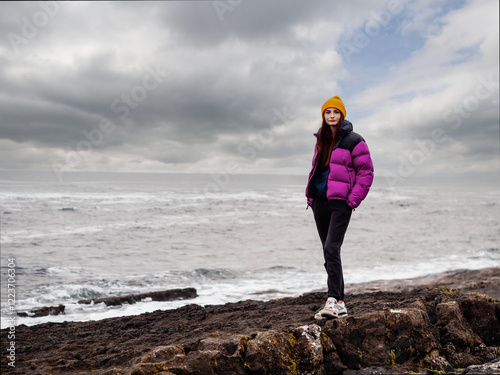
[[166, 295], [42, 311]]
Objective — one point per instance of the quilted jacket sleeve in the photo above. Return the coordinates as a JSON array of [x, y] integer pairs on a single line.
[[363, 167]]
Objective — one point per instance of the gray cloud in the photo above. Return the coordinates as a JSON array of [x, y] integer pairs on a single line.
[[183, 89]]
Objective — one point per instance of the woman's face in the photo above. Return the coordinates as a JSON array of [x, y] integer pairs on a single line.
[[332, 116]]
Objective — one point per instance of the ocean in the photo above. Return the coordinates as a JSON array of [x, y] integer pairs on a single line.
[[232, 237]]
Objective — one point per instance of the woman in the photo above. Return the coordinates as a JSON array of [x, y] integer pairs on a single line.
[[340, 179]]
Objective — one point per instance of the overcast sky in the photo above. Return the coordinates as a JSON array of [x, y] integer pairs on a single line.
[[210, 86]]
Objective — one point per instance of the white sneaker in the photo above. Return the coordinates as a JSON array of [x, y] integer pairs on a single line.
[[332, 309]]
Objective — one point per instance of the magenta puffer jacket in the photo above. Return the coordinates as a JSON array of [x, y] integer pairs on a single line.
[[351, 169]]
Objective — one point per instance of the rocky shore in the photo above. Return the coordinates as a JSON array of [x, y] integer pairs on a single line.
[[439, 324]]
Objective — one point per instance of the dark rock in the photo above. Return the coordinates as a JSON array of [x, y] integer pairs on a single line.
[[485, 281], [491, 368], [43, 311], [166, 295], [426, 330]]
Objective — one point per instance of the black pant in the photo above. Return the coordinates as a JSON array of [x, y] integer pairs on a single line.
[[332, 219]]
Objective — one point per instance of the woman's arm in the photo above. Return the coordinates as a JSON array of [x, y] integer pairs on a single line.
[[363, 166]]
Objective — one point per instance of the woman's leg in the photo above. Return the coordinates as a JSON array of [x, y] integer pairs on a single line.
[[332, 219], [322, 218]]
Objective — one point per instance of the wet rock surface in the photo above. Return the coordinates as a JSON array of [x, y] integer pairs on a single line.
[[43, 311], [166, 295], [392, 329]]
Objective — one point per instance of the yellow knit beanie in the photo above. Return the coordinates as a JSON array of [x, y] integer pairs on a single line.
[[334, 102]]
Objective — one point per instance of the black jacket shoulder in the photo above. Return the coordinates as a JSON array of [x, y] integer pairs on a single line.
[[350, 140]]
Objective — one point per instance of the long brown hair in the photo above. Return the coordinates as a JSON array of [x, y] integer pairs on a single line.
[[326, 142]]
